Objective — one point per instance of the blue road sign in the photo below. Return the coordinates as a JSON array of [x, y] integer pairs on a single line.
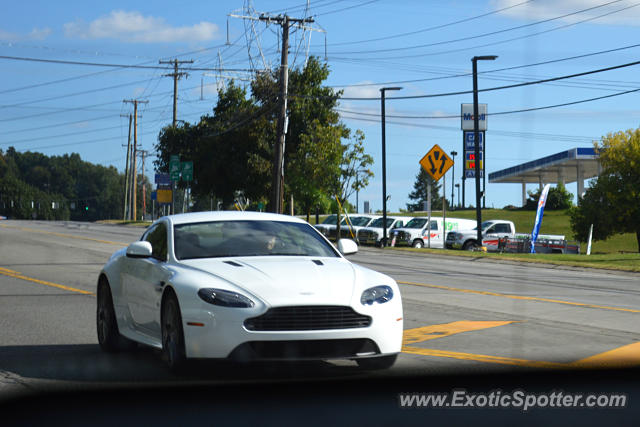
[[163, 179]]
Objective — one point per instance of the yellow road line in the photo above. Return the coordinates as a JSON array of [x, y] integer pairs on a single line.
[[17, 275], [625, 356], [70, 236], [521, 297], [425, 333], [482, 358]]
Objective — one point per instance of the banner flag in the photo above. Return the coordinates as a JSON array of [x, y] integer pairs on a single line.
[[536, 226]]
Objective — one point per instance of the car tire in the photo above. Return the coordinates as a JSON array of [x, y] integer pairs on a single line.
[[173, 349], [418, 244], [109, 336], [469, 245], [377, 363]]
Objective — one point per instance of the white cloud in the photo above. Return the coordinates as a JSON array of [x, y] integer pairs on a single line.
[[372, 91], [35, 34], [39, 33], [545, 9], [136, 28]]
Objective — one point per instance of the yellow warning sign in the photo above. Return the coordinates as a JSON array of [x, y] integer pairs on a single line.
[[436, 162]]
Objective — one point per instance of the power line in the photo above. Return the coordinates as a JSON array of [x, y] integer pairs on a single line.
[[345, 8], [491, 71], [437, 27], [436, 95], [109, 116], [491, 33], [84, 92], [517, 111], [99, 64], [417, 55], [67, 79]]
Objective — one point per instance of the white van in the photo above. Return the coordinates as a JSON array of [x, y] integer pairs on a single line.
[[416, 232]]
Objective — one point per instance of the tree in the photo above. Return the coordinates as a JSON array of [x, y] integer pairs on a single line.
[[232, 149], [59, 187], [354, 172], [612, 203], [420, 192], [557, 199]]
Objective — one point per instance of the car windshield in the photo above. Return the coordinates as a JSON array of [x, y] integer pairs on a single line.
[[359, 221], [416, 223], [330, 220], [248, 238], [484, 225], [378, 223]]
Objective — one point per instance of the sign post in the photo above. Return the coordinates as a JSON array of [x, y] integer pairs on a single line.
[[436, 163], [174, 173]]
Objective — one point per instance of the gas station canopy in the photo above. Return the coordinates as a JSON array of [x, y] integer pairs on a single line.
[[576, 164]]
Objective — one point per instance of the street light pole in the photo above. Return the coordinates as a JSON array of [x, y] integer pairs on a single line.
[[384, 167], [453, 177], [476, 148], [458, 187]]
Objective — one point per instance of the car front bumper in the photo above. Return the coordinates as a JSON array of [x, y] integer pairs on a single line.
[[224, 335]]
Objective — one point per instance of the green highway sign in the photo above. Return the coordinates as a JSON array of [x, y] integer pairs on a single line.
[[187, 171], [174, 168]]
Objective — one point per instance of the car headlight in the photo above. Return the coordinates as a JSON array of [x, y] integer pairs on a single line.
[[379, 294], [225, 298]]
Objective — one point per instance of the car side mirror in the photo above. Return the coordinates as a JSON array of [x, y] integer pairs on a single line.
[[140, 249], [347, 246]]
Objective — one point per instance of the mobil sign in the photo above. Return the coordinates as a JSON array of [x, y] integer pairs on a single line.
[[466, 114]]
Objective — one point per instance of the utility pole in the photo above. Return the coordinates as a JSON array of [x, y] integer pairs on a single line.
[[176, 76], [135, 103], [126, 172], [143, 154], [277, 183]]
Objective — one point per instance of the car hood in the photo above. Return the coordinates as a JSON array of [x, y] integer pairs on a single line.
[[279, 280]]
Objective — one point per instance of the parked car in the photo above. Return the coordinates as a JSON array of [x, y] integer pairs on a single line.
[[418, 233], [246, 286], [373, 234], [357, 222], [492, 231], [326, 224], [328, 227]]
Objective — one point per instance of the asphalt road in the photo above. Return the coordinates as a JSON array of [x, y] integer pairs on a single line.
[[460, 315]]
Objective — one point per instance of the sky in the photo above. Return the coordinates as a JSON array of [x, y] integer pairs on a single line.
[[68, 104]]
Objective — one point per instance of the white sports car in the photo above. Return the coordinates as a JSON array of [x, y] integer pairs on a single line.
[[246, 286]]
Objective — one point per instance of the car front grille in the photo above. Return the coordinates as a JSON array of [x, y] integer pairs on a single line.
[[365, 235], [403, 235], [308, 318]]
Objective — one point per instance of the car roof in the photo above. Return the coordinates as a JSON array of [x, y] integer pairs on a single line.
[[195, 217]]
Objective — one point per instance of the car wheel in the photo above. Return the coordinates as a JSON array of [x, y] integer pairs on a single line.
[[109, 336], [172, 334], [470, 245], [376, 363], [418, 243]]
